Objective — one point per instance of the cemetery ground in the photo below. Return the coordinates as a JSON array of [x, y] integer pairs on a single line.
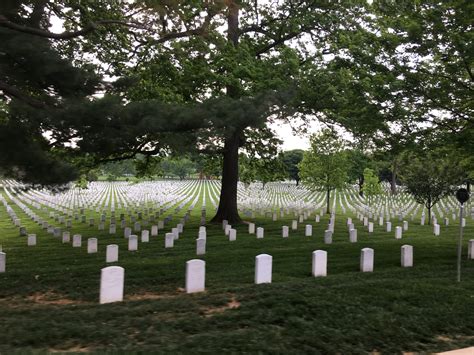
[[49, 294]]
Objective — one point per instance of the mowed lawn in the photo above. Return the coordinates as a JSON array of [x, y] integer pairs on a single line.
[[49, 296]]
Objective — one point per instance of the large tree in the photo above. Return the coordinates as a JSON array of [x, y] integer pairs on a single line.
[[220, 70]]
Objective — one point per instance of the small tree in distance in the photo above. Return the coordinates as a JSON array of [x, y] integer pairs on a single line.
[[291, 159], [429, 177], [371, 185], [324, 166]]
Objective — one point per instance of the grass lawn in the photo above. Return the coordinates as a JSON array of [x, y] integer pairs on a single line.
[[49, 294]]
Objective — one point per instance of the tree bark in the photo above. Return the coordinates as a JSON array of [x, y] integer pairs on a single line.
[[393, 182], [230, 168], [230, 175], [361, 185], [429, 215], [468, 186], [328, 196]]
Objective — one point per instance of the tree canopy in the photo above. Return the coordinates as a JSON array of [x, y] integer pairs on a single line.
[[324, 167], [152, 78]]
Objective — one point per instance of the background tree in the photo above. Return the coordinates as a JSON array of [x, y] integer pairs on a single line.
[[324, 167], [183, 167], [246, 170], [429, 176], [371, 184], [358, 161], [119, 168], [291, 159], [180, 167], [208, 166], [267, 170]]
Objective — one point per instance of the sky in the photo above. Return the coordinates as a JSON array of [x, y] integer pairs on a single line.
[[291, 140]]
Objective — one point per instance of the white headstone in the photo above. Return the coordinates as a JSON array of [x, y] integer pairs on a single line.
[[127, 231], [31, 240], [389, 226], [371, 227], [202, 234], [3, 261], [224, 223], [470, 249], [133, 242], [405, 225], [76, 241], [353, 235], [294, 225], [92, 245], [436, 229], [111, 284], [328, 236], [227, 229], [200, 246], [195, 276], [260, 232], [251, 228], [145, 237], [169, 240], [232, 234], [367, 260], [285, 231], [66, 237], [111, 254], [320, 263], [398, 232], [263, 268], [308, 230], [407, 256], [154, 231]]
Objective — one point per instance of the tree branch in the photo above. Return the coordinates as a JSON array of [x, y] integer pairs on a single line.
[[13, 92], [4, 22]]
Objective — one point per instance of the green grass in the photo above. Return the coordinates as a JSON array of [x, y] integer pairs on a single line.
[[49, 294]]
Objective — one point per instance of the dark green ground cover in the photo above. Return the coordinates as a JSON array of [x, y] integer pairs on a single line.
[[49, 294]]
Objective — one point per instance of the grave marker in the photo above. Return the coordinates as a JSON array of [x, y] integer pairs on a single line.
[[263, 268], [111, 284]]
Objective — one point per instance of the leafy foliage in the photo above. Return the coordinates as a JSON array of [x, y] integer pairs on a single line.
[[291, 159], [429, 176], [324, 167], [371, 184]]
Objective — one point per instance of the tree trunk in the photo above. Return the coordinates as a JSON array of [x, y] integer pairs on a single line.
[[393, 182], [429, 215], [328, 196], [230, 168], [230, 175], [297, 182], [468, 186], [361, 185]]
